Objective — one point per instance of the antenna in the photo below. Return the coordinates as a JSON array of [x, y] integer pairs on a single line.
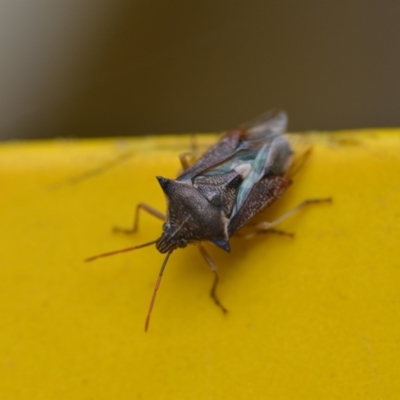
[[111, 253], [156, 286]]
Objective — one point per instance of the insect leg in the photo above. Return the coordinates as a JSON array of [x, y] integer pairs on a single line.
[[269, 225], [216, 278], [299, 163], [277, 232], [256, 231], [183, 158], [145, 207], [189, 157]]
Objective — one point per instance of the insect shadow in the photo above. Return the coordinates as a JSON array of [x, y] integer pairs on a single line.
[[244, 173]]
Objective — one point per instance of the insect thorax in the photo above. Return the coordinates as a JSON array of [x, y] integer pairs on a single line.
[[198, 210]]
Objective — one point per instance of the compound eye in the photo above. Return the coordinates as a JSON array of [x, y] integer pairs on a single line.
[[166, 227], [182, 243]]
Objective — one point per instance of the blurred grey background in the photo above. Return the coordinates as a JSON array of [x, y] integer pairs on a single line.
[[74, 68]]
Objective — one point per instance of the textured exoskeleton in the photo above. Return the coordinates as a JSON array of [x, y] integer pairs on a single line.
[[245, 172], [233, 181]]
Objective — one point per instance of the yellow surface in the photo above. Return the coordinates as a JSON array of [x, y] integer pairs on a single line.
[[314, 317]]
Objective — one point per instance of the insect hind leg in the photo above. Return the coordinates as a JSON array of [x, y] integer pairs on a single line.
[[256, 231], [135, 224], [266, 226], [214, 269]]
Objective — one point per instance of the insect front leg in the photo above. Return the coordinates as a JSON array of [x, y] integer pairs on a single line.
[[183, 158], [145, 207], [266, 226], [188, 158], [214, 269]]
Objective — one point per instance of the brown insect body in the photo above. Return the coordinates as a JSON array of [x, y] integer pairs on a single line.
[[233, 181], [245, 172]]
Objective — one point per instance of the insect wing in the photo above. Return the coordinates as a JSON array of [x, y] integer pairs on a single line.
[[252, 135], [266, 181], [263, 194], [234, 180], [271, 123], [215, 155], [257, 152]]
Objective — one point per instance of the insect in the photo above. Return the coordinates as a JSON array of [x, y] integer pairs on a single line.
[[245, 172]]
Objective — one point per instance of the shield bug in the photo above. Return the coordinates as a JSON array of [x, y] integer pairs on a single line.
[[245, 172]]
